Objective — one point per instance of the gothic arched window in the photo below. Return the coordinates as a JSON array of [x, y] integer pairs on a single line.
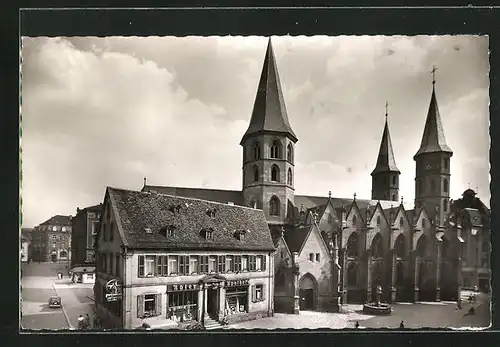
[[399, 274], [274, 206], [393, 197], [275, 173], [422, 246], [289, 153], [276, 150], [399, 246], [255, 173], [289, 177], [378, 220], [256, 151], [401, 222], [445, 185], [352, 275], [352, 245], [354, 220], [433, 186], [377, 251]]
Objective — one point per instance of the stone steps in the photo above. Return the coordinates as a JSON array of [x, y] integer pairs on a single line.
[[211, 324]]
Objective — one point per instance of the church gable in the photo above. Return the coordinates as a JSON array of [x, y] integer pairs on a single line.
[[328, 220], [354, 222]]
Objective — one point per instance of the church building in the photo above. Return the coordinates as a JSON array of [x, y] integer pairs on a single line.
[[332, 250]]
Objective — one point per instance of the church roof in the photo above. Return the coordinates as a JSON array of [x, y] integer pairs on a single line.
[[269, 110], [216, 195], [136, 212], [433, 138], [385, 160]]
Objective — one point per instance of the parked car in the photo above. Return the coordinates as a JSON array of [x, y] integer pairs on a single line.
[[54, 302]]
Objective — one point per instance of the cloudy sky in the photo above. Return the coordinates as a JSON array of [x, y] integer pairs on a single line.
[[100, 112]]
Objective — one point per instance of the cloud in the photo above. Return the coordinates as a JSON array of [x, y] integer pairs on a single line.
[[109, 111]]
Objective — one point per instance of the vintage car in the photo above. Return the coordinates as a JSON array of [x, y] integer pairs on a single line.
[[54, 302]]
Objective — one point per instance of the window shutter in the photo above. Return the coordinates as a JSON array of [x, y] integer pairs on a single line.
[[140, 306], [253, 293], [158, 304], [263, 263], [159, 265], [141, 266], [181, 265]]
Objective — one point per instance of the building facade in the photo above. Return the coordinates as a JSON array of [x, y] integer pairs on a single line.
[[51, 240], [181, 260], [413, 250], [84, 231]]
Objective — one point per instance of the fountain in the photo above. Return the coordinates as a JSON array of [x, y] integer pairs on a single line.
[[377, 308]]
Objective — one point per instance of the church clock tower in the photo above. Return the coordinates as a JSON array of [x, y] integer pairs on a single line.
[[269, 149], [432, 179]]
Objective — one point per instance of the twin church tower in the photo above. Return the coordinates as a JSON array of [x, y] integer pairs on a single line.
[[269, 149]]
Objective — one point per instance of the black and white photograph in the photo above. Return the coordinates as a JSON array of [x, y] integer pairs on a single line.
[[227, 183]]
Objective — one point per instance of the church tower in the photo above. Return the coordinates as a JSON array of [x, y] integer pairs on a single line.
[[432, 178], [269, 148], [385, 176]]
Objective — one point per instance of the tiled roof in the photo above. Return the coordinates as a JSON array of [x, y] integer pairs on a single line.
[[295, 237], [385, 160], [269, 110], [140, 210], [58, 220], [216, 195], [433, 138]]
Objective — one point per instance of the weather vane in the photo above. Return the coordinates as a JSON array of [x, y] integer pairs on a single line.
[[386, 108]]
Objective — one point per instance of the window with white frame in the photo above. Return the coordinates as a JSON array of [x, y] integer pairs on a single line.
[[212, 264], [258, 264], [229, 263], [173, 265], [258, 293], [244, 263], [193, 264]]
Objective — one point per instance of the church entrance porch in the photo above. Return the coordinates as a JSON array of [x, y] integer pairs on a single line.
[[308, 292]]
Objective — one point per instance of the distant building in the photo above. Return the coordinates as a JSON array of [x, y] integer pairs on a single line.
[[25, 244], [176, 260], [51, 240], [83, 274], [84, 231]]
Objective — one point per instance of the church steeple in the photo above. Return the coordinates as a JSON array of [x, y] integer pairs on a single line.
[[269, 111], [269, 149], [432, 179], [385, 176], [433, 139]]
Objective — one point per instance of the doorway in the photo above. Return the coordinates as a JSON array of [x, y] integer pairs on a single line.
[[53, 257], [212, 302], [306, 299]]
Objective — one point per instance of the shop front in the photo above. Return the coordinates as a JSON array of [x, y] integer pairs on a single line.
[[183, 302]]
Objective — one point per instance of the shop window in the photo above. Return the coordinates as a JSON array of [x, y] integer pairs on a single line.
[[244, 263], [258, 293], [173, 264], [182, 306], [212, 264], [149, 305], [237, 300], [193, 264], [221, 262]]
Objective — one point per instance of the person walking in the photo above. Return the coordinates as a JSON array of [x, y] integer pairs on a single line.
[[402, 325], [81, 322], [87, 321], [357, 325]]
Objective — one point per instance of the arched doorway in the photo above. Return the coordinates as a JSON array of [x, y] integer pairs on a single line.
[[307, 292]]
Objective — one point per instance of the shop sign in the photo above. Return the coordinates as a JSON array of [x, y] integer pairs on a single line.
[[182, 287], [113, 290], [236, 283]]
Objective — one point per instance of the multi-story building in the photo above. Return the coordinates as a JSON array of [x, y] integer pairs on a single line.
[[51, 240], [26, 244], [412, 250], [84, 231], [165, 260]]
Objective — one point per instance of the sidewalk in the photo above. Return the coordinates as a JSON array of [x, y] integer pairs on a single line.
[[75, 300]]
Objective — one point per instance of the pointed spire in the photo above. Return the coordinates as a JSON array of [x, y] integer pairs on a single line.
[[269, 111], [433, 139], [385, 160], [329, 194]]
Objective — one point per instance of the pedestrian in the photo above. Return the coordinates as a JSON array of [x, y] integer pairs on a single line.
[[402, 325], [474, 298], [357, 325], [87, 321], [459, 304], [81, 322]]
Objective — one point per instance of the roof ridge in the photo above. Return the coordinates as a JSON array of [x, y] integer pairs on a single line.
[[174, 187]]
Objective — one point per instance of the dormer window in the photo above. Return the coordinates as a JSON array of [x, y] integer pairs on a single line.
[[240, 234], [147, 230], [168, 231], [211, 212], [208, 233]]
